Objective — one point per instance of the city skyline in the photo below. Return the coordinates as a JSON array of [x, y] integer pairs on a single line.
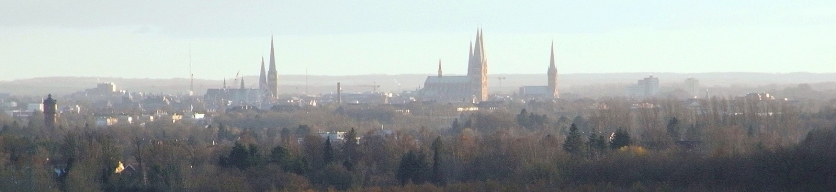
[[615, 37]]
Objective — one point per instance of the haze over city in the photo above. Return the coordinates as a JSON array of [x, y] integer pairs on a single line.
[[154, 39], [417, 96]]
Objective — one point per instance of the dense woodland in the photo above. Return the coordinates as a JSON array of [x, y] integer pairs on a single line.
[[580, 145]]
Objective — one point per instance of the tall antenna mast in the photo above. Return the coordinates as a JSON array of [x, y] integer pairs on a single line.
[[191, 75], [306, 80]]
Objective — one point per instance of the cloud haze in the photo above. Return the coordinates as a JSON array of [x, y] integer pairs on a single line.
[[152, 38]]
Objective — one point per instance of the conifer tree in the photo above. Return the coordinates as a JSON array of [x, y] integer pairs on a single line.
[[328, 155], [573, 142], [620, 138], [437, 175]]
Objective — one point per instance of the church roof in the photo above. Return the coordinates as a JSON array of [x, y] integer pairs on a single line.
[[447, 79], [535, 90]]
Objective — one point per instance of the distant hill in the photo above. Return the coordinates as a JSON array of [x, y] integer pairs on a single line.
[[360, 83]]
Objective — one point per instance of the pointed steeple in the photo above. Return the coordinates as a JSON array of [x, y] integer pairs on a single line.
[[262, 77], [477, 69], [551, 60], [224, 82], [470, 56], [272, 75], [481, 47], [552, 72], [242, 82], [272, 56], [478, 49], [439, 67], [470, 60]]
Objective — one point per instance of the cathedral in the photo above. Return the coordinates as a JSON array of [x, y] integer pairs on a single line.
[[266, 94], [471, 88]]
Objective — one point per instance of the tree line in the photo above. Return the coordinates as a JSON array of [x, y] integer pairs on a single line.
[[613, 145]]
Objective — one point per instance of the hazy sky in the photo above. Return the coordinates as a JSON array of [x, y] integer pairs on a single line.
[[151, 39]]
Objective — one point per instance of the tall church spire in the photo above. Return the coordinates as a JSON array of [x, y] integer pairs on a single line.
[[478, 68], [439, 67], [553, 76], [470, 59], [551, 60], [262, 77], [272, 56], [272, 75], [476, 56], [481, 46]]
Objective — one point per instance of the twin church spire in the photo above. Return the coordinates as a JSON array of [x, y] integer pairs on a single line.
[[268, 80], [477, 69]]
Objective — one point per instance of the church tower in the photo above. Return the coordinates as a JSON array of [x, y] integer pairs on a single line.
[[272, 75], [553, 76], [478, 69], [50, 111]]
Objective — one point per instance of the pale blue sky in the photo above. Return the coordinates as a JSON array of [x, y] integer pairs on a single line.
[[150, 39]]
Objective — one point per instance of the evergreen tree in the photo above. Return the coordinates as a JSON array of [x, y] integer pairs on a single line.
[[241, 157], [284, 159], [437, 174], [413, 167], [591, 145], [285, 135], [601, 144], [456, 127], [328, 155], [673, 128], [620, 138], [279, 155], [573, 142], [303, 130], [351, 148], [523, 118]]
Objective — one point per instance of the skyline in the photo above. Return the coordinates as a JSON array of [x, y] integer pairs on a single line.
[[76, 39]]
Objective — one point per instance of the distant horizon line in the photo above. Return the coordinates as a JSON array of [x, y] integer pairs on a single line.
[[383, 74]]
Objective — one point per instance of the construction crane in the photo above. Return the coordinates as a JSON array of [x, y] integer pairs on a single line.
[[235, 81], [374, 86]]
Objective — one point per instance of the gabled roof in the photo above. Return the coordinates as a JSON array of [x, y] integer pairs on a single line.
[[447, 79], [535, 90]]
